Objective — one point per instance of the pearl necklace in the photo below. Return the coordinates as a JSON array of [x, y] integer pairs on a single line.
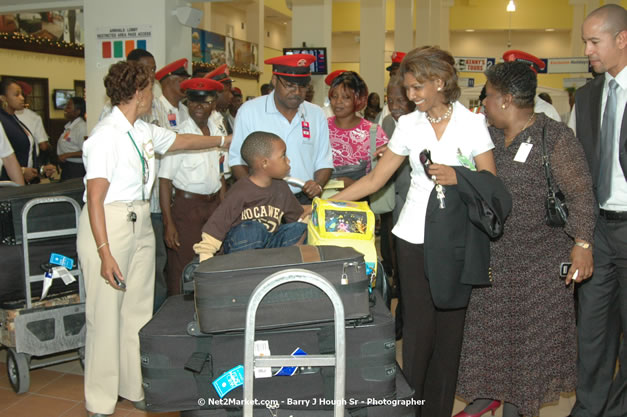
[[436, 120]]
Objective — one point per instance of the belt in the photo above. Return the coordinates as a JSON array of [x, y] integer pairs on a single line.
[[613, 215], [188, 195]]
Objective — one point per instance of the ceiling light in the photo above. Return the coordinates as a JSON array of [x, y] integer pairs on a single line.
[[511, 7], [550, 30], [470, 30]]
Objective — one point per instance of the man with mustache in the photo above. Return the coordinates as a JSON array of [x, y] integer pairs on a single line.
[[285, 113]]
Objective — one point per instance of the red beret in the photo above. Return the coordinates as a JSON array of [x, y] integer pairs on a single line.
[[26, 88], [236, 91], [220, 74], [295, 65], [514, 55], [397, 57], [201, 84], [332, 76], [178, 67]]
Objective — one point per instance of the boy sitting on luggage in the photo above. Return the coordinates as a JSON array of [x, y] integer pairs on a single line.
[[251, 214]]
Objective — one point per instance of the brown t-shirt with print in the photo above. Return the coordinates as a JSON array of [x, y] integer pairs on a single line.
[[247, 201]]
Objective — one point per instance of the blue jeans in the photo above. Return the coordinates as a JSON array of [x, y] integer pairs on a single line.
[[254, 235]]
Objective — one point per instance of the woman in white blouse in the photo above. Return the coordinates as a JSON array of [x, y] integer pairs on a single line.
[[70, 144], [453, 135], [116, 243]]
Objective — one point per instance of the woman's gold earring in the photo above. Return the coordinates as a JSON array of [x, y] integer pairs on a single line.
[[439, 88], [503, 106]]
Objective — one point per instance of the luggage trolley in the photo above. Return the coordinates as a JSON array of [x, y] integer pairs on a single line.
[[43, 328], [338, 360]]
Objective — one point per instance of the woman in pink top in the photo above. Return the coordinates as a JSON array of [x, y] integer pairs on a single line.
[[348, 132]]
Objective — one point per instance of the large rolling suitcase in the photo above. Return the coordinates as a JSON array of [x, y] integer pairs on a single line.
[[178, 368], [401, 406], [223, 285], [48, 217]]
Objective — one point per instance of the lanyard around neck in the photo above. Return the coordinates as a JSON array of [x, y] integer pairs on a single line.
[[143, 162]]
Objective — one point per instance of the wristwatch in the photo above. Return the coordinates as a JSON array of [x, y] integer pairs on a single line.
[[584, 245]]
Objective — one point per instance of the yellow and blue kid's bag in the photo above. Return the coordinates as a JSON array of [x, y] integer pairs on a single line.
[[346, 224]]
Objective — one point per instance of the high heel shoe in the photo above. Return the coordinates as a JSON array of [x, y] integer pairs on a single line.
[[491, 407]]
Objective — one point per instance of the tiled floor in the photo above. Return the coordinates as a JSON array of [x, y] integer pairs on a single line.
[[54, 392]]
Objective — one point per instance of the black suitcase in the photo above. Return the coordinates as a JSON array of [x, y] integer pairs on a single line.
[[178, 368], [223, 285], [12, 293], [402, 406], [41, 218]]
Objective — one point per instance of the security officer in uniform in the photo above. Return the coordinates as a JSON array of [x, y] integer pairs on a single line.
[[196, 178], [169, 112]]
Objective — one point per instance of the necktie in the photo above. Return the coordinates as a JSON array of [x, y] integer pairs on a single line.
[[608, 144]]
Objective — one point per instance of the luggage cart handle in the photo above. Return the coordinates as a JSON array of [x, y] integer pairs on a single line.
[[338, 360]]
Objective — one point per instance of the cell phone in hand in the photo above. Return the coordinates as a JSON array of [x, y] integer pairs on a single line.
[[564, 267], [425, 160], [119, 283]]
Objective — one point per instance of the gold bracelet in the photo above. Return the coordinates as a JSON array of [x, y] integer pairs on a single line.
[[222, 141], [102, 245], [584, 245]]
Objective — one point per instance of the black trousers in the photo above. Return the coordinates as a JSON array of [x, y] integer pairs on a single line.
[[72, 170], [602, 317], [432, 338]]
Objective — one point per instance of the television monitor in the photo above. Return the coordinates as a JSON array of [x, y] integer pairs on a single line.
[[60, 98], [319, 66]]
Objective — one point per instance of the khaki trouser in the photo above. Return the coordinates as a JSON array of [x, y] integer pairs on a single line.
[[114, 318]]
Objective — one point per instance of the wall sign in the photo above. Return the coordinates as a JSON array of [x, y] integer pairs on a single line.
[[117, 41], [473, 64]]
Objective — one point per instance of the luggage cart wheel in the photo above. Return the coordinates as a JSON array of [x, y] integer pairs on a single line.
[[18, 371], [81, 357], [193, 329]]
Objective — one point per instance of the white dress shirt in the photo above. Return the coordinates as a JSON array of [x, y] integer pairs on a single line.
[[113, 152], [194, 171], [466, 132]]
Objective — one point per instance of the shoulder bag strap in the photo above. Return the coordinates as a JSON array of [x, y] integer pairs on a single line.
[[373, 143], [547, 164]]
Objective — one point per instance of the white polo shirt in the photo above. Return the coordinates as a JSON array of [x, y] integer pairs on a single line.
[[466, 132], [194, 171], [110, 153], [72, 138]]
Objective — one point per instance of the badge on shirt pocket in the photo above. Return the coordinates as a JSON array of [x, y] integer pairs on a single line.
[[306, 132], [172, 119]]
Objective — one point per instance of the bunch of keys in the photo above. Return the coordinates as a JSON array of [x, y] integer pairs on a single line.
[[132, 216], [440, 195]]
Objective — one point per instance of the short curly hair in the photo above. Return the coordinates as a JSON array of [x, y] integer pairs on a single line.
[[257, 145], [352, 82], [515, 78], [124, 79], [430, 63]]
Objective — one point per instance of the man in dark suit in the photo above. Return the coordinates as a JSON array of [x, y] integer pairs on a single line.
[[600, 122]]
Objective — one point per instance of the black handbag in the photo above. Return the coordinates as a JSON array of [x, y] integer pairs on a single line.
[[353, 172], [555, 204]]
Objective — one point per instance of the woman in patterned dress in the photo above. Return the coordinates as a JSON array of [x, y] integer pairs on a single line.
[[349, 133], [519, 339]]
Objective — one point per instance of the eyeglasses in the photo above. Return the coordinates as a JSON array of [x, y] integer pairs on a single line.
[[425, 160], [293, 86]]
